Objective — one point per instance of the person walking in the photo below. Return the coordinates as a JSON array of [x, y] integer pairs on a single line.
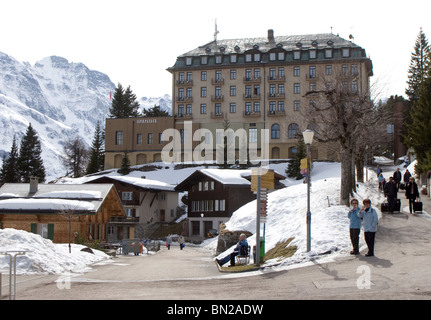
[[371, 220], [381, 180], [181, 242], [355, 226], [412, 192], [391, 194], [397, 178], [168, 241]]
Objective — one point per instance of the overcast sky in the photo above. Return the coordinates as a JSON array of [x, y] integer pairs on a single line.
[[134, 41]]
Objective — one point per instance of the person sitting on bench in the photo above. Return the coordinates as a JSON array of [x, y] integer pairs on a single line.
[[240, 249]]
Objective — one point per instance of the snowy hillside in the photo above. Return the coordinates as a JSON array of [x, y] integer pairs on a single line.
[[61, 100]]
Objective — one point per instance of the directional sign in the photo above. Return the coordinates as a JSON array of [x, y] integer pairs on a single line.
[[266, 180]]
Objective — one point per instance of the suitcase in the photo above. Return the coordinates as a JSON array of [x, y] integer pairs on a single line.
[[384, 207], [417, 206], [397, 206]]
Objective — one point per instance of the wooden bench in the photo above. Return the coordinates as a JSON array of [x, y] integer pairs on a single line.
[[244, 257]]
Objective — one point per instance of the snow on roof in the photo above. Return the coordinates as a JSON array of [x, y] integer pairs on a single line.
[[45, 204], [65, 194], [144, 183], [228, 176]]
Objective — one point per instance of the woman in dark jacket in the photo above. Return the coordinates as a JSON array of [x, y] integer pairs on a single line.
[[412, 193]]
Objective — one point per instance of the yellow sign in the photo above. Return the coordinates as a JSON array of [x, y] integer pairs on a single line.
[[266, 180], [304, 163]]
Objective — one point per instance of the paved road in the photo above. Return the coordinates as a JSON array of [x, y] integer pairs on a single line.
[[400, 270]]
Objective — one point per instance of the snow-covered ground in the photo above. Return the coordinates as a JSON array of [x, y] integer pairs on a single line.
[[286, 219]]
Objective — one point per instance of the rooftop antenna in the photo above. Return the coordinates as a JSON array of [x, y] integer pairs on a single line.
[[216, 31], [331, 30]]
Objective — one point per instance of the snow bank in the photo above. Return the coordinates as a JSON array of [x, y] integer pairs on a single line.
[[44, 256]]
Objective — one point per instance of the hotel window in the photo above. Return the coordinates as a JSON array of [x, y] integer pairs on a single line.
[[312, 54], [248, 57], [127, 196], [181, 94], [296, 105], [293, 131], [180, 110], [328, 70], [248, 74], [232, 107], [256, 107], [118, 138], [203, 76], [218, 75], [203, 92], [272, 90], [312, 71], [233, 58], [275, 131], [281, 72], [272, 74], [256, 73], [354, 86], [281, 89], [296, 71], [281, 56], [345, 70], [150, 138], [139, 138], [189, 93], [232, 91], [189, 76], [257, 57], [247, 107], [272, 107], [252, 135], [346, 52], [280, 105], [181, 77], [354, 69], [296, 55], [328, 53], [203, 108], [312, 86], [160, 138], [272, 56], [296, 88], [218, 109], [204, 60], [189, 109], [233, 74], [188, 61], [218, 92], [218, 59]]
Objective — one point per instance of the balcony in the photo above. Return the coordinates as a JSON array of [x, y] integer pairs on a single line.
[[183, 116], [311, 76], [217, 115], [252, 79], [184, 99], [184, 82], [124, 220], [276, 79], [217, 98], [252, 96], [276, 95], [251, 113], [216, 81], [276, 113]]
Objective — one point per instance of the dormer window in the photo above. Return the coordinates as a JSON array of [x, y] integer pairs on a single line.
[[346, 52], [328, 53], [204, 60], [312, 54], [188, 61], [296, 55], [218, 59]]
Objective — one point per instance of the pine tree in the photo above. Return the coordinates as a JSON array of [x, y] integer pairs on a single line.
[[293, 169], [9, 172], [419, 64], [155, 111], [124, 104], [30, 161], [97, 155], [419, 131], [125, 165]]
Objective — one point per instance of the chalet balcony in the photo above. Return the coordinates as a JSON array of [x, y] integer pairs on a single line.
[[124, 220]]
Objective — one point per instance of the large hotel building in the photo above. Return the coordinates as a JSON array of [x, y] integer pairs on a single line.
[[248, 84]]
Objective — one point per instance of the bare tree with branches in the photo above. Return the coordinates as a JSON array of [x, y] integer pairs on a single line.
[[341, 111]]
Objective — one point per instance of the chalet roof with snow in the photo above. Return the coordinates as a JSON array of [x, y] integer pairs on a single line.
[[54, 198]]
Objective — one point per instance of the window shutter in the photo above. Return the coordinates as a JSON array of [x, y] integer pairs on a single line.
[[51, 231], [33, 228]]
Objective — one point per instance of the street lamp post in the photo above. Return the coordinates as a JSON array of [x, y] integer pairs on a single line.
[[308, 139]]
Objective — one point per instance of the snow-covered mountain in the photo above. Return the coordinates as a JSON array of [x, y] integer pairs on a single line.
[[61, 100]]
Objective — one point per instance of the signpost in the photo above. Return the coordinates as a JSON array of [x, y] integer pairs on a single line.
[[260, 183]]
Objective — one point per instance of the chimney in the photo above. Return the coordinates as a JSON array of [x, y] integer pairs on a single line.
[[271, 35], [33, 185]]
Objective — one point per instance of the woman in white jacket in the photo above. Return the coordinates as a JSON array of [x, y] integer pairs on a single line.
[[370, 219]]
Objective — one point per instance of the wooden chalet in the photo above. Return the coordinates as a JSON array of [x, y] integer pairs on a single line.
[[46, 209], [214, 194]]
